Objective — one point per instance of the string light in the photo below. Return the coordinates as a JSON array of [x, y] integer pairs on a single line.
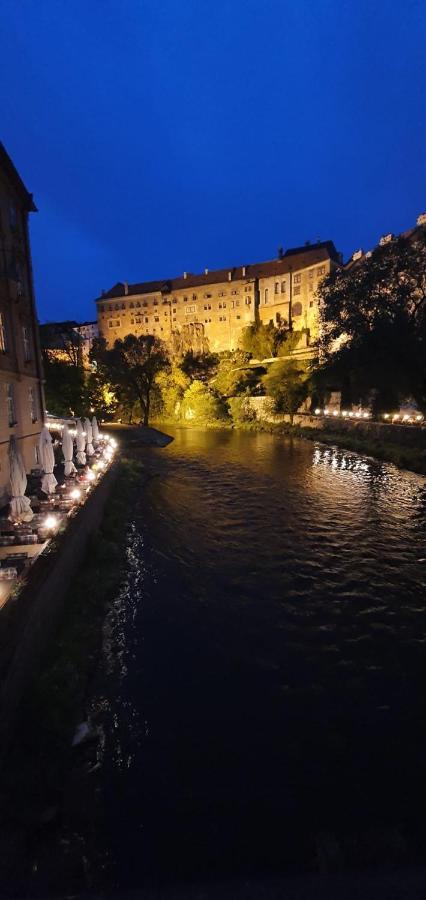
[[51, 522]]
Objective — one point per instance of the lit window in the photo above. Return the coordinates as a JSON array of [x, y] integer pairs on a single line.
[[26, 343], [3, 335], [297, 309], [10, 405], [297, 279], [32, 404]]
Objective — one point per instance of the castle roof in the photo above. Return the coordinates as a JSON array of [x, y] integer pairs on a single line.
[[291, 260]]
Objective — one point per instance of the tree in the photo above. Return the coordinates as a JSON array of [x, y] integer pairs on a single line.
[[131, 368], [172, 385], [259, 340], [202, 406], [64, 387], [287, 384], [373, 323], [234, 376]]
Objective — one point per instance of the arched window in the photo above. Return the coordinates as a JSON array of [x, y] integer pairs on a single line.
[[297, 309]]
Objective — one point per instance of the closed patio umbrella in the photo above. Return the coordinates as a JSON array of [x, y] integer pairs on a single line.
[[95, 430], [89, 446], [68, 451], [81, 444], [20, 509], [47, 459]]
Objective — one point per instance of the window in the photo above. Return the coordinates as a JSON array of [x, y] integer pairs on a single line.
[[222, 305], [114, 323], [222, 318], [234, 292], [247, 289], [10, 405], [26, 343], [155, 303], [190, 309], [266, 295], [13, 220], [32, 404], [277, 287], [156, 318], [102, 308], [207, 296], [248, 301], [311, 273], [194, 296], [117, 306], [311, 303], [297, 279], [297, 309], [146, 320], [123, 306], [320, 271], [185, 299], [238, 317], [207, 306], [283, 287], [174, 300], [297, 290], [3, 335], [221, 293]]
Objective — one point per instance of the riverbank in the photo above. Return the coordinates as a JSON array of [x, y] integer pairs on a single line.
[[412, 458], [41, 756]]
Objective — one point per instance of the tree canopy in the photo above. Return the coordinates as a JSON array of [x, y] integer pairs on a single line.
[[131, 368], [373, 324]]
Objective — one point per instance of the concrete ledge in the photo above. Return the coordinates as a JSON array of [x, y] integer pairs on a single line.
[[28, 627]]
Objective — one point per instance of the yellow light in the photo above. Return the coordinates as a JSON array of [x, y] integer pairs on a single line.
[[366, 415], [419, 418], [91, 476], [386, 416], [75, 494], [317, 412], [51, 522], [335, 413]]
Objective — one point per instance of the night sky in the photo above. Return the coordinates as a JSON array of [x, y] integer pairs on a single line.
[[172, 135]]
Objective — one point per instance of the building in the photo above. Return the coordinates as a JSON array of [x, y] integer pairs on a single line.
[[69, 341], [21, 384], [208, 312]]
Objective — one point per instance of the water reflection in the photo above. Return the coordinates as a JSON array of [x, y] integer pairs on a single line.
[[264, 656]]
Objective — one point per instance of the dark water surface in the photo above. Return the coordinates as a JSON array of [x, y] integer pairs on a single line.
[[264, 661]]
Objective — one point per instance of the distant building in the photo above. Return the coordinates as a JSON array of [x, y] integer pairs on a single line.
[[68, 341], [209, 311], [21, 385]]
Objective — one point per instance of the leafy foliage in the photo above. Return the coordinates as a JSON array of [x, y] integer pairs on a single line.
[[373, 319], [287, 384], [201, 405], [172, 386], [233, 375], [131, 368], [240, 410], [64, 387]]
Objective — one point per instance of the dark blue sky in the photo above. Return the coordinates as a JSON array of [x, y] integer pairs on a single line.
[[164, 135]]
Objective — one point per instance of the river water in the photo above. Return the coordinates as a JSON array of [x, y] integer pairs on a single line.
[[263, 683]]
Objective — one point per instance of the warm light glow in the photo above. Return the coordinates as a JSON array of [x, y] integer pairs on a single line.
[[91, 476], [75, 494], [366, 415], [386, 416], [317, 412], [51, 522], [326, 411], [335, 413], [419, 418], [345, 412], [395, 417]]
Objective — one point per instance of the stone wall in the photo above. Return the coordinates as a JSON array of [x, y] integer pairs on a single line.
[[404, 435], [28, 626]]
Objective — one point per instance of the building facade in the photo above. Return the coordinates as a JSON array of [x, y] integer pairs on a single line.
[[208, 312], [69, 342], [21, 383]]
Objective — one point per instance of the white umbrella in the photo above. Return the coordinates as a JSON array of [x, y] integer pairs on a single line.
[[20, 508], [95, 429], [47, 459], [67, 451], [81, 443], [89, 446]]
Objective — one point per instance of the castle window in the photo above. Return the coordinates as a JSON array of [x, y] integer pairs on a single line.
[[221, 293], [194, 296], [248, 301], [276, 287], [297, 309], [320, 271], [297, 279], [266, 295], [311, 303], [146, 319], [174, 300], [206, 296], [311, 273], [297, 289], [155, 303], [247, 289], [234, 292], [283, 287], [238, 317], [114, 323], [156, 318], [185, 299], [132, 306], [222, 318]]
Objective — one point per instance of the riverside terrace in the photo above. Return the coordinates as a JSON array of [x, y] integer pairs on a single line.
[[21, 543]]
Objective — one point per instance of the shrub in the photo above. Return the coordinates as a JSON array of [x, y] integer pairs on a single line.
[[201, 405]]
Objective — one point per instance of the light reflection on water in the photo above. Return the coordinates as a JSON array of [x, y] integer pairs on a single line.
[[265, 652]]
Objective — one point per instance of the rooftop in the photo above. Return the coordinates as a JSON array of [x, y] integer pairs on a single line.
[[7, 166], [291, 260]]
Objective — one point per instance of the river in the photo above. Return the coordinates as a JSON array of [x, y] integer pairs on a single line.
[[263, 672]]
